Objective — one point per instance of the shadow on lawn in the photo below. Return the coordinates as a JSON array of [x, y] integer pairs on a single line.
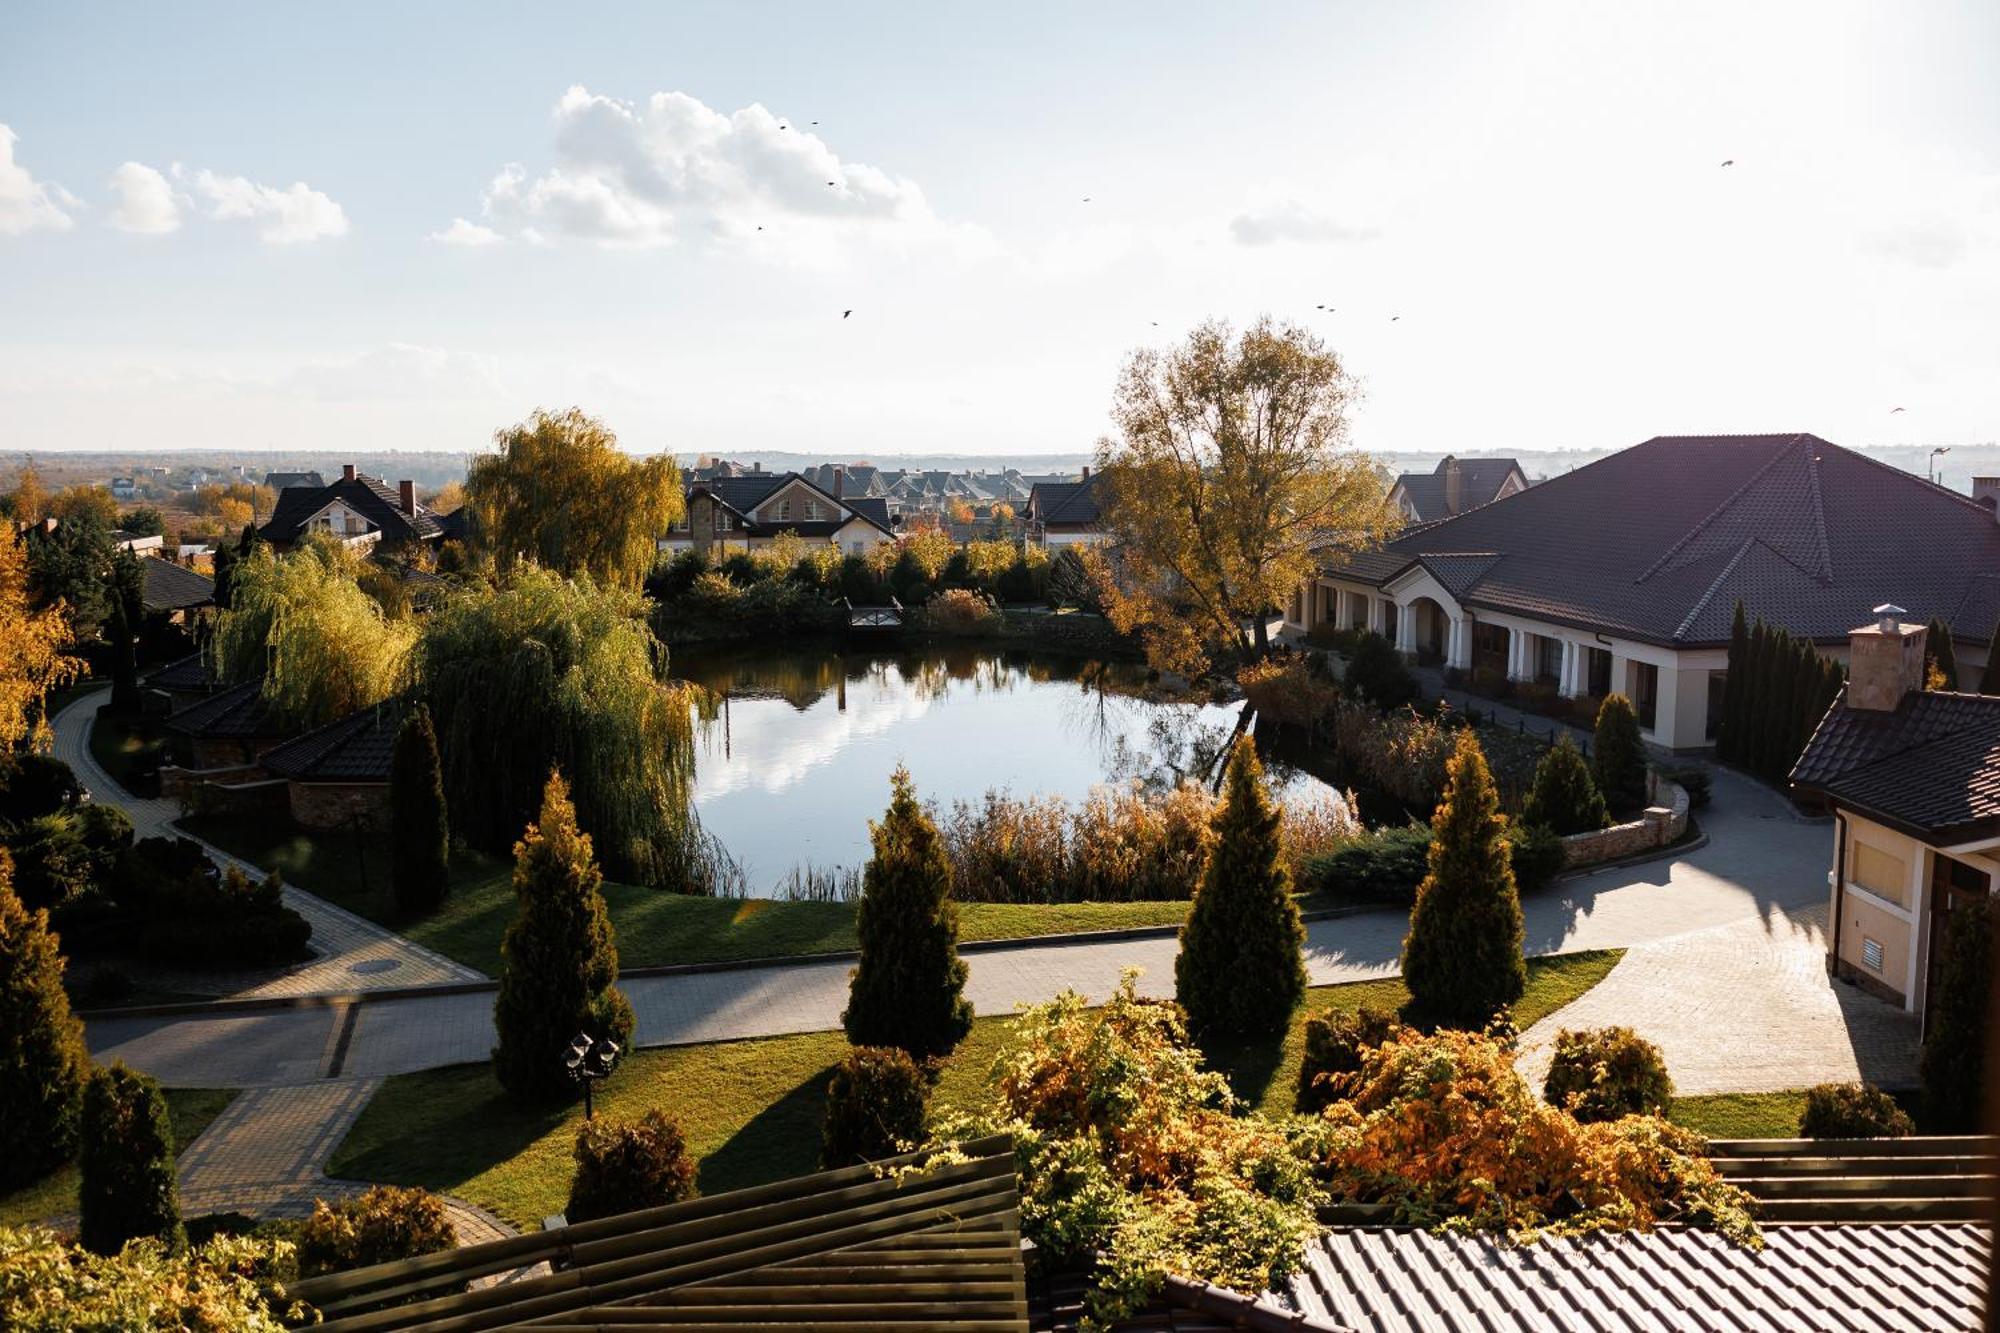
[[781, 1140], [441, 1131], [1249, 1065]]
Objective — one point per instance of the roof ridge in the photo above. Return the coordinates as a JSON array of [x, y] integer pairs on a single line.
[[1702, 526], [1818, 514], [1708, 593]]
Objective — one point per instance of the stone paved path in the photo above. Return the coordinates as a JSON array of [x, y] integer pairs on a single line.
[[352, 953]]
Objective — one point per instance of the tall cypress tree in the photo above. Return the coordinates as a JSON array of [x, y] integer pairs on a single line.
[[43, 1061], [1240, 972], [1989, 679], [1462, 959], [1940, 658], [1953, 1067], [127, 1187], [1618, 756], [908, 989], [1805, 704], [559, 962], [1735, 687], [420, 837]]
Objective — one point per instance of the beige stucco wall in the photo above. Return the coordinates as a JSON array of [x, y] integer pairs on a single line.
[[1864, 916]]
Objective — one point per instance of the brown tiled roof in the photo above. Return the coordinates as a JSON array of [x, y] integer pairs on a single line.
[[745, 493], [371, 497], [1660, 541], [1931, 768], [355, 748], [238, 712], [1828, 1279], [172, 587]]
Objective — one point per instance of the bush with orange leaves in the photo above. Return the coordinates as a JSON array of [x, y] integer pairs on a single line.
[[1134, 1152], [1443, 1130]]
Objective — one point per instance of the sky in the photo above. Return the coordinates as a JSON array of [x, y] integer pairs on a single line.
[[403, 226]]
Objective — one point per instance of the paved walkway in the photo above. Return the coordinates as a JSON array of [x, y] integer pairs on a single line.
[[351, 952]]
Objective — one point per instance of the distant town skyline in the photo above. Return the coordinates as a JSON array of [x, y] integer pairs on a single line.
[[858, 231]]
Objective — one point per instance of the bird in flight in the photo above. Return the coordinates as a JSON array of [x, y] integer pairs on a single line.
[[1729, 162], [1086, 199], [815, 122], [845, 313], [1894, 410], [1394, 318], [829, 182]]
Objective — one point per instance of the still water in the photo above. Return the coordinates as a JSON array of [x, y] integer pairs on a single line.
[[795, 748]]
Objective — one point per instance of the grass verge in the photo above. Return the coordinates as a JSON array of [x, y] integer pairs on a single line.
[[654, 928], [1741, 1115], [189, 1109], [751, 1110]]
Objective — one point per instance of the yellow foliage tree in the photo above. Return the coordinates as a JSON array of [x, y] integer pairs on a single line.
[[561, 493], [34, 657], [1227, 485], [31, 498], [78, 502]]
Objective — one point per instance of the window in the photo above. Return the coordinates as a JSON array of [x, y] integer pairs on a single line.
[[1646, 693], [812, 510], [1883, 874], [1548, 659], [785, 509]]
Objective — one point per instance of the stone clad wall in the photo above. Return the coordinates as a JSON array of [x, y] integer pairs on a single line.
[[325, 805], [1661, 823]]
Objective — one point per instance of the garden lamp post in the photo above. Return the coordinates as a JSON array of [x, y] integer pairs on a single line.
[[589, 1059]]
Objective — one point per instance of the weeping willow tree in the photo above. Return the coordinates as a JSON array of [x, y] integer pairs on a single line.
[[553, 672], [300, 622]]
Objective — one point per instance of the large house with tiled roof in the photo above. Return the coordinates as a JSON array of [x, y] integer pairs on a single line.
[[1624, 575], [750, 511], [357, 509], [1454, 486], [1066, 513], [1913, 777]]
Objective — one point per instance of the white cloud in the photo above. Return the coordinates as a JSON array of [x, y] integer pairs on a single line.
[[26, 203], [671, 168], [1292, 221], [146, 200], [462, 232], [283, 217]]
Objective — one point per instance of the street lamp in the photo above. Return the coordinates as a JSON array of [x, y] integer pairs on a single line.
[[589, 1059], [1935, 475]]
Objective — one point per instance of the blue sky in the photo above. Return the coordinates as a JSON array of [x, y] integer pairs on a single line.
[[1516, 212]]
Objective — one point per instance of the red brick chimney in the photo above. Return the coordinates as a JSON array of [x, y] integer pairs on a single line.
[[1454, 484], [408, 491], [1086, 472], [839, 481], [347, 472], [1885, 661]]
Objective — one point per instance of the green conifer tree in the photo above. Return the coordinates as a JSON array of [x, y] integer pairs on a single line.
[[43, 1061], [1240, 972], [908, 989], [1989, 679], [1953, 1068], [1462, 959], [1735, 686], [559, 962], [1618, 756], [1805, 703], [419, 835], [1940, 657], [1765, 699], [1565, 798], [127, 1186]]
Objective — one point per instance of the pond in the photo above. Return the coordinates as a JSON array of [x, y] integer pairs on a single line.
[[795, 746]]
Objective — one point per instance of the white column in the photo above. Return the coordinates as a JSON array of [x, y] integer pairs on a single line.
[[1377, 617], [1572, 656], [1458, 643], [1406, 629]]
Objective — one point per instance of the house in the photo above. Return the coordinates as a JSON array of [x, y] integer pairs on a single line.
[[228, 729], [1456, 485], [136, 543], [123, 488], [284, 481], [1913, 778], [177, 684], [174, 591], [1065, 513], [1624, 575], [357, 509], [749, 512], [337, 776]]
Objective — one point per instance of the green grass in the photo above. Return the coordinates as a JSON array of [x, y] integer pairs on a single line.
[[129, 749], [1741, 1115], [654, 928], [189, 1109], [751, 1110]]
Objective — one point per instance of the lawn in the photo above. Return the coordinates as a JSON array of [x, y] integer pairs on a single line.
[[751, 1110], [190, 1110], [129, 749], [653, 928], [1741, 1115]]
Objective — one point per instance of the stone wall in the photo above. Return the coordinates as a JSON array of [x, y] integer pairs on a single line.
[[326, 805], [259, 796], [180, 783], [1659, 824]]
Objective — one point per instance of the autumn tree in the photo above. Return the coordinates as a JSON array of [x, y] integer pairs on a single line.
[[560, 492], [1239, 972], [1462, 959], [79, 502], [419, 835], [43, 1062], [301, 622], [34, 650], [1940, 657], [959, 511], [559, 962], [30, 499], [1227, 484], [908, 988]]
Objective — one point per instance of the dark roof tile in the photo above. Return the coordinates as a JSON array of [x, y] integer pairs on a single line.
[[172, 587], [356, 748], [1930, 767]]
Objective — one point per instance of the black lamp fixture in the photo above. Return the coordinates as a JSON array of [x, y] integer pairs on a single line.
[[589, 1059]]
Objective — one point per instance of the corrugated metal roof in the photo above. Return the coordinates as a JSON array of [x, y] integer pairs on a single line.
[[1806, 1279]]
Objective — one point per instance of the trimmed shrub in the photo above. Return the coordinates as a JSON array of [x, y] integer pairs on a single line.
[[875, 1106], [1953, 1068], [1607, 1074], [1536, 854], [908, 989], [386, 1223], [127, 1187], [625, 1165], [225, 923], [419, 835], [1696, 780], [1377, 672], [1462, 959], [1382, 865], [1565, 798], [1853, 1111], [43, 1061], [32, 785], [1240, 971], [560, 965], [1618, 756], [1336, 1041]]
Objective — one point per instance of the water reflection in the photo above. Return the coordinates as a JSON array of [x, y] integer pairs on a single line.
[[796, 746]]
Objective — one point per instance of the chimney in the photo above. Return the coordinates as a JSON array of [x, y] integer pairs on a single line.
[[408, 491], [1454, 484], [1885, 662], [1986, 491], [347, 472], [1086, 472], [839, 481], [757, 466]]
